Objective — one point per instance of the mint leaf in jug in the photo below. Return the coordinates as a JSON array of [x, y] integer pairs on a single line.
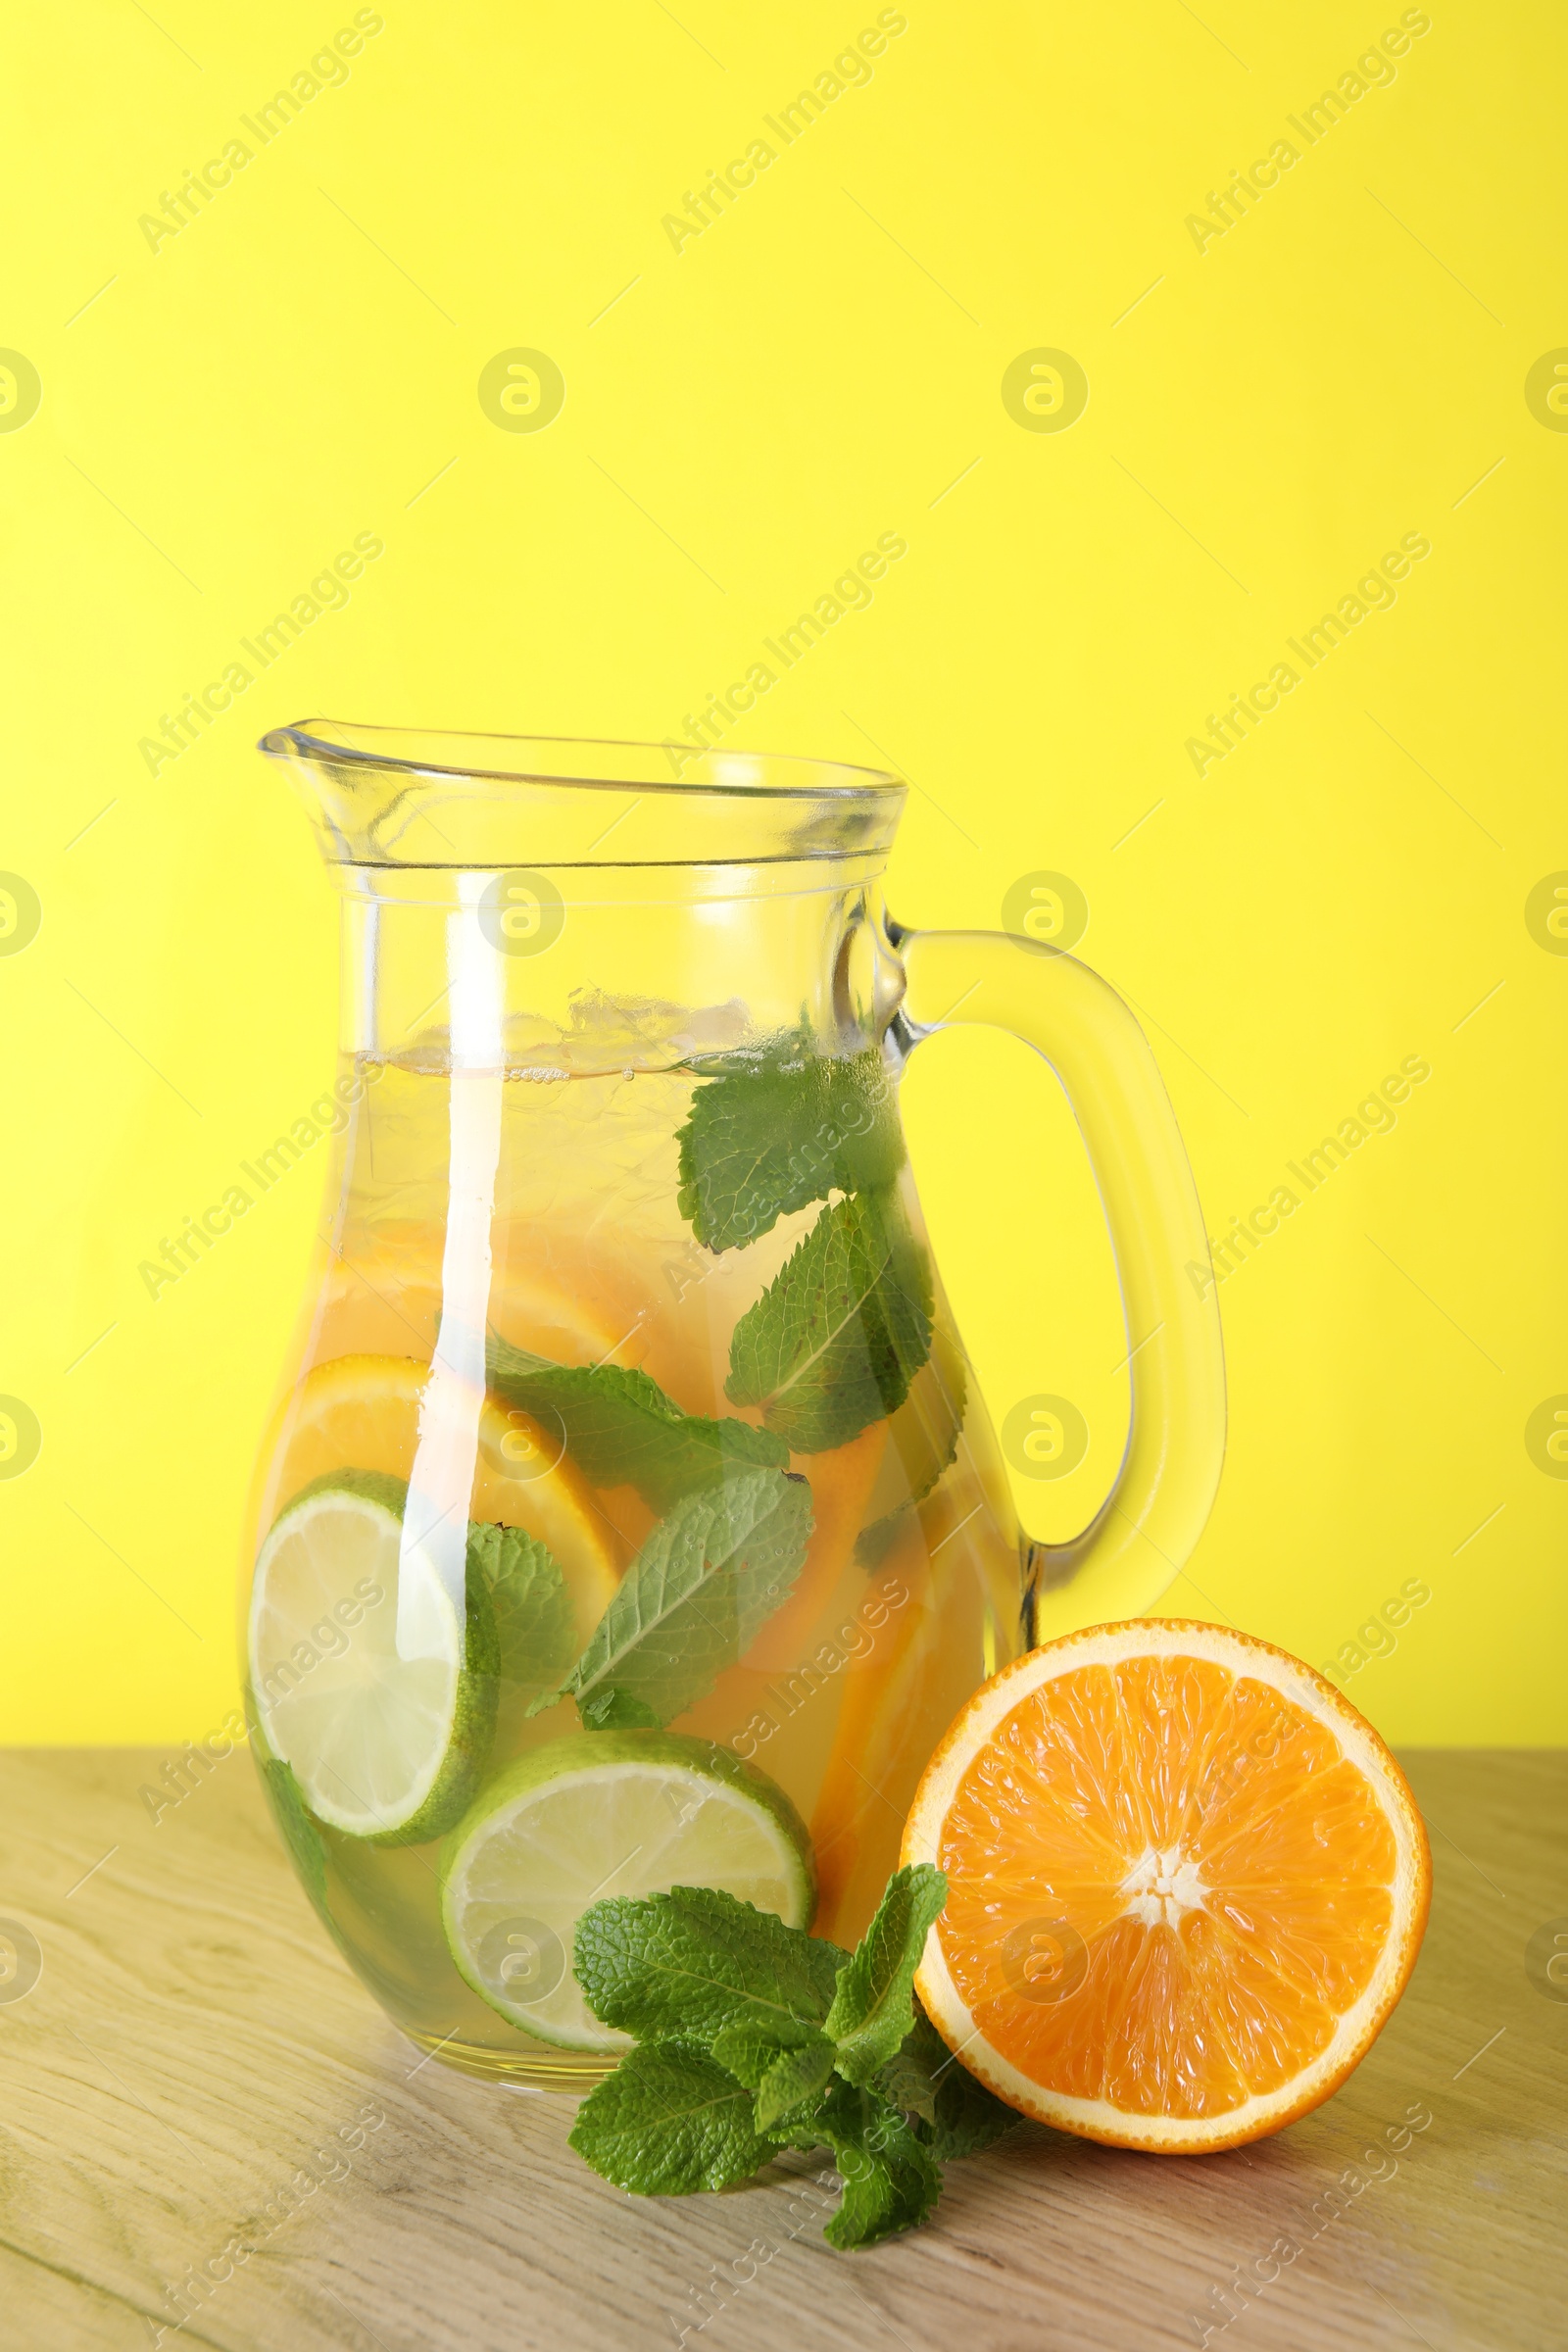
[[837, 1337], [772, 1130], [621, 1430], [692, 1602]]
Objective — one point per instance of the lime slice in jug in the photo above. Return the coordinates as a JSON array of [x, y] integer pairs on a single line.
[[384, 1724], [603, 1814]]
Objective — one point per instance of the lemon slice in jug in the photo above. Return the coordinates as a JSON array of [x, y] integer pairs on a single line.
[[385, 1718], [603, 1814]]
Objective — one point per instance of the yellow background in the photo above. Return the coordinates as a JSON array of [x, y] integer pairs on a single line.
[[1266, 417]]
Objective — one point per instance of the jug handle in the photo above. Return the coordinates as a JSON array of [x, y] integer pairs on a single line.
[[1145, 1530]]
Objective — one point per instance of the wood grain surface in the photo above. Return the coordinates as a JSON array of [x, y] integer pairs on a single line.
[[195, 2070]]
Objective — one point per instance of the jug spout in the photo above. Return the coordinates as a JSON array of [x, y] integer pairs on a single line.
[[405, 797]]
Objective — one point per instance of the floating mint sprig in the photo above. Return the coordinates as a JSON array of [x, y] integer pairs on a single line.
[[752, 2036], [621, 1429], [692, 1602], [777, 1129], [837, 1337], [922, 1441], [531, 1606]]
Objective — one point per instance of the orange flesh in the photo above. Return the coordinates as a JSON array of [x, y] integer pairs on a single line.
[[1189, 2013]]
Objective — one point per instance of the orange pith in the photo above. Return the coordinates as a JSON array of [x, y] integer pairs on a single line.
[[1187, 1886]]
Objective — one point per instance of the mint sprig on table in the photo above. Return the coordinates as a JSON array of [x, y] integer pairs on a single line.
[[753, 2036], [692, 1602]]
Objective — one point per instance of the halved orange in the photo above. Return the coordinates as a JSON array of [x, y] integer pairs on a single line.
[[1186, 1885]]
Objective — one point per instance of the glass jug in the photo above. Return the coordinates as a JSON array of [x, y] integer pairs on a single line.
[[629, 1518]]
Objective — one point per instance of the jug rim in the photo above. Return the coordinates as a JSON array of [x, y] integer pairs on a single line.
[[732, 774]]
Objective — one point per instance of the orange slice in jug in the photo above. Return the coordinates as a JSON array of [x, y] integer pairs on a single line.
[[1187, 1880], [361, 1412]]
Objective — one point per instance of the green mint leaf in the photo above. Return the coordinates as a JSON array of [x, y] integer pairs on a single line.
[[376, 1486], [748, 2047], [906, 2081], [624, 1431], [965, 2116], [695, 1961], [891, 2180], [610, 1709], [694, 1599], [532, 1609], [873, 2006], [891, 2184], [772, 1130], [873, 1544], [958, 2115], [837, 1337], [839, 2119], [669, 2121], [763, 1572], [795, 2078]]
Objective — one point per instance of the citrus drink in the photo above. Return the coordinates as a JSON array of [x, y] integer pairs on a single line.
[[628, 1522]]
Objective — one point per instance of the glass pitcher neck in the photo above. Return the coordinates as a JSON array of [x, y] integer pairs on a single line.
[[562, 972], [550, 905]]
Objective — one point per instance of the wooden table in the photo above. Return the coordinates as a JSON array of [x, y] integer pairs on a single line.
[[193, 2043]]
